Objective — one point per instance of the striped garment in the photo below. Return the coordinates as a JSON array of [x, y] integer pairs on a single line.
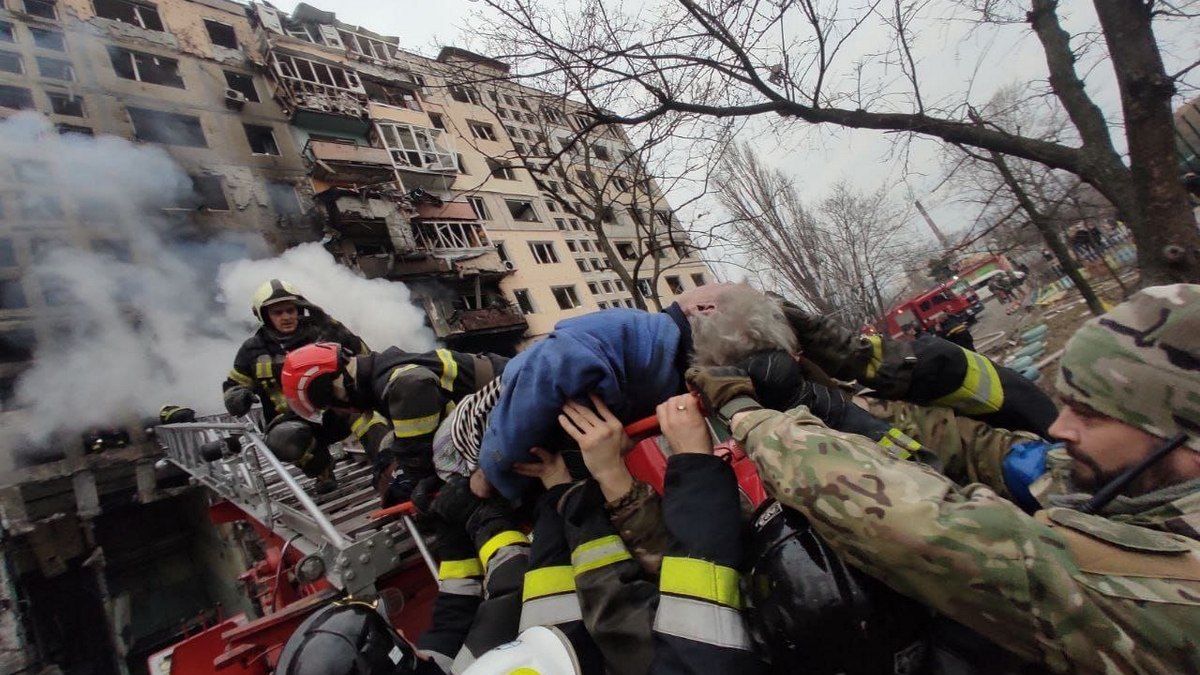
[[457, 440]]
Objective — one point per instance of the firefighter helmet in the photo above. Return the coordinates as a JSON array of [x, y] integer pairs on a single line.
[[308, 375], [273, 292], [813, 613], [344, 638], [536, 650]]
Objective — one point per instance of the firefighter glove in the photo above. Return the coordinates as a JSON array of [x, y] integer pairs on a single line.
[[291, 440], [424, 493], [238, 400], [726, 390]]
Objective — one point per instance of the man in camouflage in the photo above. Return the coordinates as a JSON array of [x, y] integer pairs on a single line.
[[1070, 591]]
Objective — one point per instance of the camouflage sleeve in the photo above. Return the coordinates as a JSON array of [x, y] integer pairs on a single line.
[[971, 451], [963, 551]]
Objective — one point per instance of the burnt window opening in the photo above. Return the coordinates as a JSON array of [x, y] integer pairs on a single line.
[[261, 139], [157, 126], [675, 285], [12, 294], [242, 83], [142, 15], [8, 255], [69, 105], [42, 8], [117, 249], [17, 346], [464, 94], [391, 95], [6, 32], [221, 34], [44, 38], [64, 128], [10, 62], [57, 69], [142, 67], [437, 121], [482, 130], [524, 303], [501, 171], [521, 210], [626, 251], [209, 193], [284, 200]]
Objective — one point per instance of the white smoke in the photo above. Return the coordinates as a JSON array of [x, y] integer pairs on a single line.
[[379, 311], [128, 337]]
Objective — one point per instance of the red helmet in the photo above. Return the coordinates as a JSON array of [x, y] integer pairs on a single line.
[[307, 378]]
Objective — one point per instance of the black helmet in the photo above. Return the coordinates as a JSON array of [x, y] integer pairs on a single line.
[[810, 612], [346, 638]]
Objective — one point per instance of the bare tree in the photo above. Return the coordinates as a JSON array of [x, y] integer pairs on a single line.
[[739, 58]]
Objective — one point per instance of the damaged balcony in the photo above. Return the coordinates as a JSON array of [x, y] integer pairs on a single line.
[[474, 317], [424, 156], [320, 96], [343, 162]]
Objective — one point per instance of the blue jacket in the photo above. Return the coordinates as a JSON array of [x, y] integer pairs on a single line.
[[631, 359]]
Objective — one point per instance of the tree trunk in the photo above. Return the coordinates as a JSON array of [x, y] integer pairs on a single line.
[[1163, 225]]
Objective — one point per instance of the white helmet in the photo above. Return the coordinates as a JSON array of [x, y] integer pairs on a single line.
[[539, 649]]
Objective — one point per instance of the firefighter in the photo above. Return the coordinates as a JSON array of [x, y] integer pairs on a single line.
[[413, 390], [288, 321]]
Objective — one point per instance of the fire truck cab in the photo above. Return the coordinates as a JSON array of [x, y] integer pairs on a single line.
[[924, 312]]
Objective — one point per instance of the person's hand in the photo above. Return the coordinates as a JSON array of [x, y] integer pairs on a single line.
[[718, 385], [550, 468], [480, 486], [238, 401], [454, 502], [424, 493], [684, 427], [602, 441]]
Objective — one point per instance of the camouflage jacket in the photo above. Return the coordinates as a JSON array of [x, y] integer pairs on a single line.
[[1075, 593]]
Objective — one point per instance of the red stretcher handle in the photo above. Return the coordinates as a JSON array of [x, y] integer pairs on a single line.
[[642, 428], [401, 509]]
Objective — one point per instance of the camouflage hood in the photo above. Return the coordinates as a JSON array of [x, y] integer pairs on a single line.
[[1140, 362]]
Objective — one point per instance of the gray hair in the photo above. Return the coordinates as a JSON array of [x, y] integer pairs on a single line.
[[745, 322]]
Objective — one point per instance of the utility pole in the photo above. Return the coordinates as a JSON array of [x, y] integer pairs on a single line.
[[932, 225]]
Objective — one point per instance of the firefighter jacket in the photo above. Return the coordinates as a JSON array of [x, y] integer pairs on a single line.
[[928, 371], [699, 625], [415, 390]]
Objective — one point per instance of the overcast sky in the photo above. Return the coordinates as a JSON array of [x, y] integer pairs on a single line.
[[952, 61]]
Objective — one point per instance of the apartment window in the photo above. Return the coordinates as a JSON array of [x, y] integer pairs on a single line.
[[390, 95], [566, 297], [66, 104], [581, 121], [416, 147], [482, 130], [551, 204], [520, 148], [134, 13], [210, 193], [587, 246], [479, 207], [524, 303], [621, 183], [15, 97], [261, 139], [626, 251], [602, 305], [619, 285], [17, 345], [461, 164], [8, 256], [501, 171], [553, 115], [574, 224], [365, 46], [437, 121], [221, 34], [543, 252], [57, 69], [582, 265], [502, 253], [10, 62], [312, 72], [42, 8], [571, 245], [680, 249], [607, 215], [464, 94], [157, 126], [601, 152], [6, 32], [522, 211], [143, 67], [45, 38], [284, 200], [637, 217], [607, 286], [63, 128], [242, 83], [597, 264], [643, 286], [452, 235], [12, 295], [585, 179], [509, 100], [502, 113], [593, 288], [698, 279], [629, 303], [675, 285]]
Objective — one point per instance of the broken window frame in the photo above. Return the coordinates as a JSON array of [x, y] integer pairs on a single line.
[[150, 133], [208, 28], [67, 99], [259, 130], [42, 61], [482, 130], [392, 95], [479, 207], [247, 87], [41, 8], [554, 115], [675, 284], [21, 98], [41, 39], [138, 68], [568, 294], [626, 250], [543, 252], [210, 191], [15, 59], [373, 49], [415, 147], [500, 171], [438, 121], [293, 208], [294, 68], [524, 301], [593, 288], [142, 14], [451, 235], [464, 94], [645, 288]]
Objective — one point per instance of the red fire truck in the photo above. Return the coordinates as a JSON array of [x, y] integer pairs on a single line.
[[925, 311]]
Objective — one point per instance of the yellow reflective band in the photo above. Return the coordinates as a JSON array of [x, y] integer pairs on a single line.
[[981, 391], [449, 369], [598, 553], [244, 380], [263, 370], [904, 440], [505, 538], [401, 370], [417, 426], [700, 579], [460, 569], [548, 581], [279, 400], [364, 422], [876, 359]]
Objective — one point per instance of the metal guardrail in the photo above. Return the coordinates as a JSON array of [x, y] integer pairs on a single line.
[[336, 530]]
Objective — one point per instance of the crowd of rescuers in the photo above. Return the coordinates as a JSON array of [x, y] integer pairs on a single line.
[[913, 508]]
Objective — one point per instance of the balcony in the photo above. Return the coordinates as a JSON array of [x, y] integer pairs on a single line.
[[320, 96], [347, 162], [457, 323]]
